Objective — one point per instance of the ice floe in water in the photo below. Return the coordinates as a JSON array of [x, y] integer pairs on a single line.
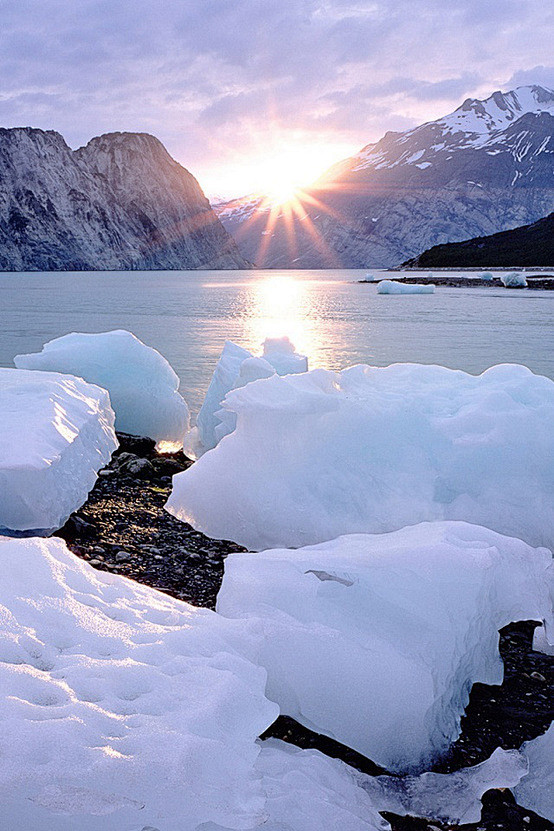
[[393, 287], [514, 280], [235, 368], [376, 640], [373, 449], [536, 791], [141, 383], [57, 432]]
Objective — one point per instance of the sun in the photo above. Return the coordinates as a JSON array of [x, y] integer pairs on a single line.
[[281, 192]]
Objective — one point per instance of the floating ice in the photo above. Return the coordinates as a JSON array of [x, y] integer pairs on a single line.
[[536, 791], [57, 431], [370, 278], [515, 280], [373, 449], [376, 640], [142, 385], [486, 275], [235, 368], [393, 287], [121, 708]]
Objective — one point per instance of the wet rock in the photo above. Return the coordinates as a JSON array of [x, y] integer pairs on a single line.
[[138, 468]]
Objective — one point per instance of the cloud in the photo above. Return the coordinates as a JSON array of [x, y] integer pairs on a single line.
[[215, 79]]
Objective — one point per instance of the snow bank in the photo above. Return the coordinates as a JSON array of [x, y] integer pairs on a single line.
[[536, 791], [142, 385], [57, 432], [121, 708], [392, 287], [235, 368], [376, 640], [515, 280], [373, 449]]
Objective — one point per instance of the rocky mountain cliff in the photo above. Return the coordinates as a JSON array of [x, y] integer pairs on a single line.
[[121, 202], [530, 245], [485, 168]]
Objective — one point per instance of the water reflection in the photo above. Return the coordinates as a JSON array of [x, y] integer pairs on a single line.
[[281, 305]]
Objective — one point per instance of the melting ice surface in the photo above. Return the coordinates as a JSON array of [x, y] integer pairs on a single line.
[[124, 709], [370, 449], [141, 383], [57, 431], [392, 287], [376, 640], [235, 368]]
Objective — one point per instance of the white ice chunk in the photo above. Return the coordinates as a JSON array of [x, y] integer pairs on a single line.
[[142, 385], [536, 791], [307, 791], [372, 449], [393, 287], [281, 354], [370, 278], [235, 368], [57, 432], [541, 643], [121, 708], [453, 798], [516, 279], [486, 275], [376, 640]]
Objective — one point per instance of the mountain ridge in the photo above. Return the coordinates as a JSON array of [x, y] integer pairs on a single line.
[[431, 184], [527, 246], [120, 202]]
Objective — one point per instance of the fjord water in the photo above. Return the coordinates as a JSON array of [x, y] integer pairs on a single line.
[[336, 321]]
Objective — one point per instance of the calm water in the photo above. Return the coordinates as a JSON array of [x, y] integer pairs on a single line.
[[187, 316]]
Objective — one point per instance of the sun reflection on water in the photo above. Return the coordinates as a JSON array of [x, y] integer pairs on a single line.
[[279, 306]]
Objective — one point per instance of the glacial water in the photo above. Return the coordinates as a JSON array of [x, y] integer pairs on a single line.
[[327, 314]]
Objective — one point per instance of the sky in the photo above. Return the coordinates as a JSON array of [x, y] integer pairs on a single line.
[[249, 94]]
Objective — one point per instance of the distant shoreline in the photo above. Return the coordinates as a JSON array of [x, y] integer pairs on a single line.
[[534, 281]]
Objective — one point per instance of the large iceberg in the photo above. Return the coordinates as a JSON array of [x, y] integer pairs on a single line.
[[235, 368], [376, 640], [141, 383], [536, 791], [373, 449], [393, 287], [57, 432]]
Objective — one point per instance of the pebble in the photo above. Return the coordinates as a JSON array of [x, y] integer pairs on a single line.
[[122, 557]]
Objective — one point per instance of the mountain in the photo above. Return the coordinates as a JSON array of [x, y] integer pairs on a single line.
[[484, 168], [121, 202], [531, 245]]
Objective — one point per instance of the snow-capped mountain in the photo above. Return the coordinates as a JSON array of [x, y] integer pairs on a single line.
[[121, 202], [486, 167]]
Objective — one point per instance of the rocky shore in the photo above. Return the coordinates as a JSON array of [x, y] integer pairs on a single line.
[[124, 529]]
